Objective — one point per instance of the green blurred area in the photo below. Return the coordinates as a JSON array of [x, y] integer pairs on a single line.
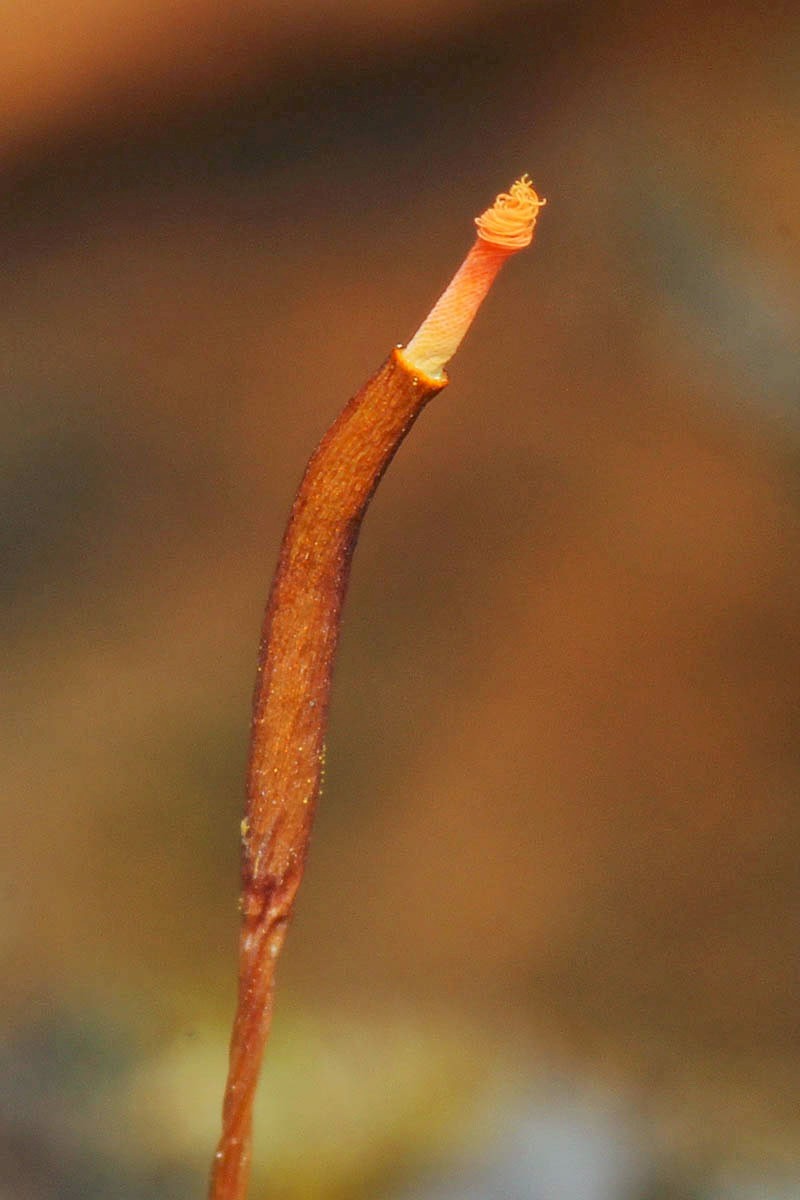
[[560, 822]]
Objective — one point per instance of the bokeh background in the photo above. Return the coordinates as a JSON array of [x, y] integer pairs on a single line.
[[547, 945]]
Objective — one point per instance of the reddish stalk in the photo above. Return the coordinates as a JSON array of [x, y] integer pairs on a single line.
[[298, 645]]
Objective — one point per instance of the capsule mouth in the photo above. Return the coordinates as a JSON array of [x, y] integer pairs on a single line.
[[510, 221]]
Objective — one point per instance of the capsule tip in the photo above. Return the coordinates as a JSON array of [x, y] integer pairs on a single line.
[[510, 221]]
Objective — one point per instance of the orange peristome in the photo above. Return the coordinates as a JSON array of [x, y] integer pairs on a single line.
[[510, 221]]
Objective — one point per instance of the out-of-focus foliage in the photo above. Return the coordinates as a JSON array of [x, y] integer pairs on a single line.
[[561, 815]]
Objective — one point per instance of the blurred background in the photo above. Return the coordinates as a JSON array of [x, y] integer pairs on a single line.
[[547, 943]]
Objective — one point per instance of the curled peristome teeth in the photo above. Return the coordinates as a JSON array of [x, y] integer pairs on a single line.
[[510, 221]]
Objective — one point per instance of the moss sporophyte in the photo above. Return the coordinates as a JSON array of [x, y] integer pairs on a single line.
[[298, 645]]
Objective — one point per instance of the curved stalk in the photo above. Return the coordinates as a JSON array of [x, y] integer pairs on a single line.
[[298, 645]]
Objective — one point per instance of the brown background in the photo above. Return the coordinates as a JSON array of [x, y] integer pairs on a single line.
[[561, 818]]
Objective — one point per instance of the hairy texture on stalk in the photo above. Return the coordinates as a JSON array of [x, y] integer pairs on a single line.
[[301, 630]]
